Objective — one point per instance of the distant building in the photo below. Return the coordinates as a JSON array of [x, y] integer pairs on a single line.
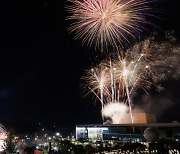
[[128, 131]]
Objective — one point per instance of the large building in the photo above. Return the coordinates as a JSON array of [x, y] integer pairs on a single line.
[[127, 131]]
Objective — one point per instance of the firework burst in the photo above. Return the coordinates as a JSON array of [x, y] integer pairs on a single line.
[[107, 22], [143, 66]]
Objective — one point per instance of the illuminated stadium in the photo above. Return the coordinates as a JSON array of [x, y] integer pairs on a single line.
[[145, 129]]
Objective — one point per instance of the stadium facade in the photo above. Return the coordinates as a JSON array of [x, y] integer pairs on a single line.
[[129, 132]]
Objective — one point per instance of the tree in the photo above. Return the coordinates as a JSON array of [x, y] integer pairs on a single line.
[[89, 149], [10, 144], [65, 146], [79, 149]]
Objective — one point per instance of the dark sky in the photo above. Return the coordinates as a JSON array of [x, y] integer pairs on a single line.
[[41, 66]]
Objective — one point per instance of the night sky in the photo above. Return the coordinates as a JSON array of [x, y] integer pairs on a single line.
[[41, 66]]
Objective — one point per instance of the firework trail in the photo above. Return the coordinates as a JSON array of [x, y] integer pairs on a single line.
[[108, 22], [143, 66]]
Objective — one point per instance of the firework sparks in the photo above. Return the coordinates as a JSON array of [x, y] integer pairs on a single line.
[[107, 22], [143, 66]]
